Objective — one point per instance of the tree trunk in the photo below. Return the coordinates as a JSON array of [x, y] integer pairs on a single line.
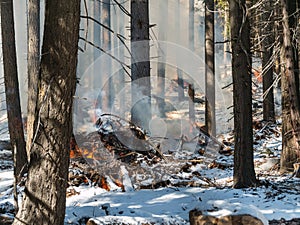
[[162, 53], [244, 175], [210, 115], [179, 71], [140, 64], [292, 8], [108, 88], [45, 189], [15, 124], [191, 88], [267, 67], [290, 100], [122, 59], [97, 79], [33, 66]]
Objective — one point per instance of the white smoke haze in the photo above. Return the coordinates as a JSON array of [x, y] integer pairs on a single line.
[[173, 26]]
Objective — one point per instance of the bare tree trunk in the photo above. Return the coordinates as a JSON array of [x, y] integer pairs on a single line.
[[210, 114], [108, 88], [140, 64], [44, 199], [191, 88], [179, 71], [97, 53], [244, 175], [290, 99], [226, 34], [122, 59], [15, 124], [292, 8], [267, 67], [162, 53], [33, 66]]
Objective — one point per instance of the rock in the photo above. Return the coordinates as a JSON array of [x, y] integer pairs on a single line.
[[91, 222], [198, 218]]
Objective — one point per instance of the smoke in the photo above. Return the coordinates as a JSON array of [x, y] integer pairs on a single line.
[[171, 20]]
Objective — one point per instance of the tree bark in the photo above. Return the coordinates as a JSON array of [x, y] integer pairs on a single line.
[[267, 67], [210, 114], [140, 64], [15, 124], [191, 87], [244, 175], [162, 52], [179, 71], [108, 87], [44, 197], [293, 20], [33, 66], [290, 99]]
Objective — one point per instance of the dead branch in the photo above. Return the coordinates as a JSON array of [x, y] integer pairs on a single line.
[[122, 8], [96, 21], [227, 86]]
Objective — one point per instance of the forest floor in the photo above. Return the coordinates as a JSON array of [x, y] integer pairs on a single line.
[[150, 190], [164, 192]]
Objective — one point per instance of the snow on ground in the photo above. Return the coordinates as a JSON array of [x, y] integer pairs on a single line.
[[172, 205], [277, 198]]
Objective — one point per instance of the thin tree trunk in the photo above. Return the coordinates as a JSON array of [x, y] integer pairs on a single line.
[[15, 124], [179, 71], [292, 8], [44, 198], [122, 59], [97, 53], [191, 88], [140, 64], [290, 100], [162, 52], [267, 67], [108, 88], [244, 175], [210, 115], [226, 34], [33, 66]]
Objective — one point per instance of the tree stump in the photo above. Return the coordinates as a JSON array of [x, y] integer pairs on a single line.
[[198, 218]]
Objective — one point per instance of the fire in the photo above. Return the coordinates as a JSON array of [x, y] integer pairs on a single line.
[[257, 74], [76, 152], [101, 180]]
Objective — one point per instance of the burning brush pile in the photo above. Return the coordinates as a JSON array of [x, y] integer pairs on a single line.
[[96, 158], [126, 140], [119, 154]]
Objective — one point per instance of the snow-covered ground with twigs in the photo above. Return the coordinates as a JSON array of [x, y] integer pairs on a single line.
[[194, 185]]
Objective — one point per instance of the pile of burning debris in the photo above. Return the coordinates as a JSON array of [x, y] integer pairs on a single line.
[[119, 147], [100, 155], [126, 140]]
